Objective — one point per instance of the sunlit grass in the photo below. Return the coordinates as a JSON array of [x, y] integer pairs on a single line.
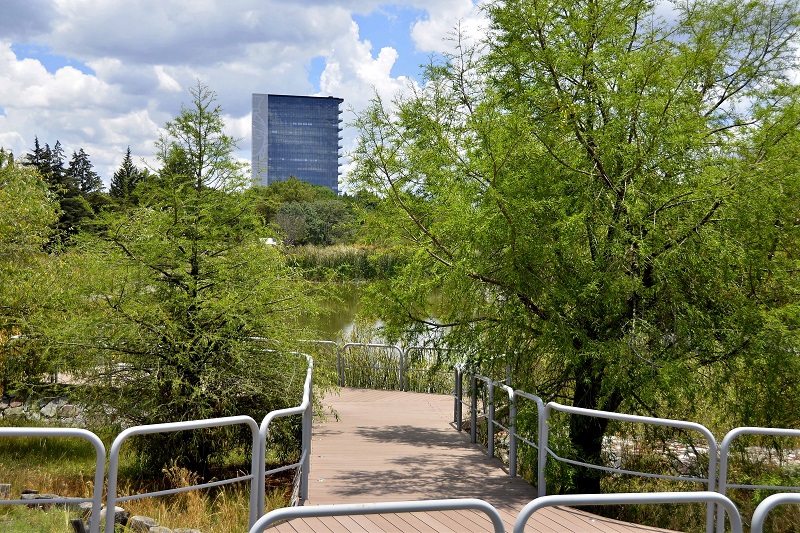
[[65, 466]]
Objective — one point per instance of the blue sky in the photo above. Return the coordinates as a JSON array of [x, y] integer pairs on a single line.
[[50, 61], [103, 75]]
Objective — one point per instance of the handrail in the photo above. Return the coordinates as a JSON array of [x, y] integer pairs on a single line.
[[401, 366], [99, 467], [113, 460], [289, 513], [540, 449], [339, 367], [723, 463], [760, 514], [576, 500], [679, 424], [306, 409]]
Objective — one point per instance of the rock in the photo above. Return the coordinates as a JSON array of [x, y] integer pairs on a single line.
[[50, 409], [68, 411], [5, 401], [78, 525], [160, 529], [15, 403], [186, 530], [42, 505], [15, 411], [120, 516], [30, 491], [141, 524], [85, 508]]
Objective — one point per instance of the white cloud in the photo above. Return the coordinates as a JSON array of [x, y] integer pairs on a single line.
[[167, 82], [433, 34], [144, 54]]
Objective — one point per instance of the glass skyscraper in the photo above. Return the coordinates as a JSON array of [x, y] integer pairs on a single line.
[[296, 136]]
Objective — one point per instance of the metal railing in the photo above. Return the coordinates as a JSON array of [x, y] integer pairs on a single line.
[[169, 427], [724, 452], [386, 372], [577, 500], [419, 506], [710, 481], [763, 509], [99, 468], [544, 412], [491, 397], [304, 463]]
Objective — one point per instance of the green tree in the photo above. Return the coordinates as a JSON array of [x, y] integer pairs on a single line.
[[80, 172], [64, 182], [305, 213], [28, 212], [585, 185], [179, 286], [125, 179]]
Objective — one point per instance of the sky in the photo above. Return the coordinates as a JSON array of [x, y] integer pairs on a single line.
[[105, 75]]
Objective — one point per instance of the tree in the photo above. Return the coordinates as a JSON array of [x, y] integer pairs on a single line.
[[125, 179], [305, 213], [66, 184], [80, 173], [577, 184], [28, 212], [179, 286]]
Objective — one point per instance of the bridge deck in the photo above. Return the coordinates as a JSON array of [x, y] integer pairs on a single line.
[[394, 446]]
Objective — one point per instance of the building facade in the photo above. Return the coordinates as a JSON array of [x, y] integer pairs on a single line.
[[296, 136]]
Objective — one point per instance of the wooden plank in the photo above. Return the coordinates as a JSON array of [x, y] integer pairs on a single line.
[[400, 446]]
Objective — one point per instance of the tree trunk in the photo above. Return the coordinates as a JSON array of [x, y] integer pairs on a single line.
[[586, 433]]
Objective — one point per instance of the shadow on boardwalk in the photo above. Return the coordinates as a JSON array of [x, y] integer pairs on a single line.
[[394, 446]]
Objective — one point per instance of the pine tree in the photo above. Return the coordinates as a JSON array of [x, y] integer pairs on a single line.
[[125, 178], [81, 174], [53, 167], [36, 157]]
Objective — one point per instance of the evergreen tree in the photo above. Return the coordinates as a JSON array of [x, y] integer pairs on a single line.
[[53, 169], [186, 283], [36, 157], [125, 179], [81, 174]]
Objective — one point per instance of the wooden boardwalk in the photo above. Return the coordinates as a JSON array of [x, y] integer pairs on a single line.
[[381, 446]]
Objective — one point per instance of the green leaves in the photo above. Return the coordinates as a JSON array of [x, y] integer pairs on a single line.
[[578, 190]]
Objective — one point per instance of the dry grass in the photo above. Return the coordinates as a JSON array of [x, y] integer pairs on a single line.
[[66, 467], [209, 510]]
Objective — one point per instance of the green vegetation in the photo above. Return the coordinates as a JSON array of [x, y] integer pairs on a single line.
[[153, 307], [65, 466], [609, 198], [606, 196]]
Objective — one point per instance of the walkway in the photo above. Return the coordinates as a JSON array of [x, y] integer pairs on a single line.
[[392, 446]]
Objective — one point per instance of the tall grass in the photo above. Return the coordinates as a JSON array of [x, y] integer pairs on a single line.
[[345, 262], [65, 466]]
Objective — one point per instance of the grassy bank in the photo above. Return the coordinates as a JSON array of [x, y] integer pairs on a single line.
[[343, 262], [65, 466]]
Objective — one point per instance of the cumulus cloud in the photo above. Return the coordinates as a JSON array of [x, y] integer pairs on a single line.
[[444, 16], [143, 55]]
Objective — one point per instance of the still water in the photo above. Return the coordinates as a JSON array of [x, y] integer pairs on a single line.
[[337, 320]]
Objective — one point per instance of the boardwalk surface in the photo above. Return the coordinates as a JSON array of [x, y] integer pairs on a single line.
[[385, 446]]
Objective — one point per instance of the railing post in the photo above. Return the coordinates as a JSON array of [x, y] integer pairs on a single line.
[[490, 419], [340, 365], [512, 434], [544, 433], [473, 416], [402, 367], [306, 448], [457, 395]]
